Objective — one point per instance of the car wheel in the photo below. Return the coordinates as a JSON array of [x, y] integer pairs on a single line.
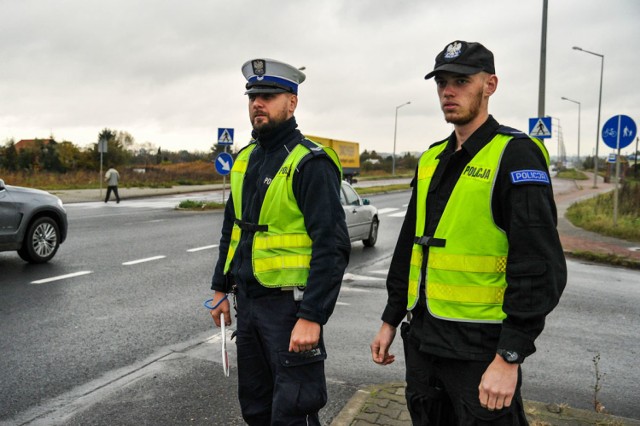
[[41, 241], [373, 234]]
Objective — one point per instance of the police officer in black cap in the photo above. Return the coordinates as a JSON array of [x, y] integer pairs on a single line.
[[283, 251], [478, 263]]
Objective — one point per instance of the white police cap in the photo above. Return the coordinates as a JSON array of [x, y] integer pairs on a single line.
[[270, 76]]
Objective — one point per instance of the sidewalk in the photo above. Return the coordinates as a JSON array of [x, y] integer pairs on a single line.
[[86, 195]]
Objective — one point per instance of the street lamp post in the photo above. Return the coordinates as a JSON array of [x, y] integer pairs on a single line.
[[595, 160], [576, 102], [395, 132]]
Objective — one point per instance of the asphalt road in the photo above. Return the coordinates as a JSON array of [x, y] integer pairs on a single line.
[[88, 343]]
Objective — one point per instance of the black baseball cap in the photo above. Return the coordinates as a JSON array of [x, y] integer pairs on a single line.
[[463, 57]]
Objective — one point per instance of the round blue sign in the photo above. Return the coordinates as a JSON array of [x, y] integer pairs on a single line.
[[619, 131], [224, 162]]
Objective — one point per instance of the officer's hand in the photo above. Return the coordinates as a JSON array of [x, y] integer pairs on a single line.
[[498, 384], [381, 344], [223, 307], [304, 336]]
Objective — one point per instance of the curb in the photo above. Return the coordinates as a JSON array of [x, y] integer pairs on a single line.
[[596, 257], [352, 408]]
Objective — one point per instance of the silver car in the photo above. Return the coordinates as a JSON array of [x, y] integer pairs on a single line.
[[362, 218], [32, 222]]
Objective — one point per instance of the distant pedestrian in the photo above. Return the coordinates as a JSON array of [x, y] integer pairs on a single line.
[[112, 177]]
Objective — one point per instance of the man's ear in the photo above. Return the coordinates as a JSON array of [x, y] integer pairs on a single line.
[[490, 85], [293, 103]]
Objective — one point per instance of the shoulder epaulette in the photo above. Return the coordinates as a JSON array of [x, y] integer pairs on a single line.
[[314, 147], [510, 131]]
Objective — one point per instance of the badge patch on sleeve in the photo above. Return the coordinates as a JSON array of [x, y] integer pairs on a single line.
[[529, 176]]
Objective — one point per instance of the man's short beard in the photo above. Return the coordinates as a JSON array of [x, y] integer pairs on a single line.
[[271, 125], [474, 110], [266, 128], [460, 121]]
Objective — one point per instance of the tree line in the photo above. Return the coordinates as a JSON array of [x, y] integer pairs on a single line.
[[122, 150], [49, 155]]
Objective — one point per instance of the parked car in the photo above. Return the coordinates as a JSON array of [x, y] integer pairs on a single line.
[[32, 222], [362, 217]]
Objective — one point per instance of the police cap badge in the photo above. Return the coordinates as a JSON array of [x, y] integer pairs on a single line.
[[463, 57]]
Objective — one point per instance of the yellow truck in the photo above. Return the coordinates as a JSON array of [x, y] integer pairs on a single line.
[[348, 152]]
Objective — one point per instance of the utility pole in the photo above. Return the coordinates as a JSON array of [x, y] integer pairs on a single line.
[[635, 168], [543, 59]]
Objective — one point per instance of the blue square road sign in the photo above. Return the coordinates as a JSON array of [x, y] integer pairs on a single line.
[[225, 136]]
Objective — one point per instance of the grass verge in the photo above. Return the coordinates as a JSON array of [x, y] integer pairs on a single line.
[[199, 205], [383, 188], [596, 214]]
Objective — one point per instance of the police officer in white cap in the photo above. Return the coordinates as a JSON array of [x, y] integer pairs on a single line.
[[283, 252], [478, 262]]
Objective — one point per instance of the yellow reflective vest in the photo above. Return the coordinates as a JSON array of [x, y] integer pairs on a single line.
[[467, 255], [281, 249]]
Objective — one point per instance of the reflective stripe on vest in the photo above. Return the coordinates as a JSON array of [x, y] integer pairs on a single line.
[[236, 178], [466, 279], [281, 255]]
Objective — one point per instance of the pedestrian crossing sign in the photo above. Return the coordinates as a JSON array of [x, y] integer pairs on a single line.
[[540, 127], [225, 136]]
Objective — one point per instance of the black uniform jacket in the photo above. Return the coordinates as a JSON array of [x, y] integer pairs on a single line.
[[536, 269], [316, 186]]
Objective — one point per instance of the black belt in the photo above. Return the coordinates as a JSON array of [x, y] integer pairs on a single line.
[[251, 227], [430, 241]]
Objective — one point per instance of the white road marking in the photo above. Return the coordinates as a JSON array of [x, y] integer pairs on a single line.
[[148, 259], [354, 277], [400, 214], [382, 272], [343, 304], [387, 210], [353, 290], [202, 248], [61, 277]]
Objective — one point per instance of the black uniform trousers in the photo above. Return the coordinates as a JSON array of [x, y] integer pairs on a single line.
[[444, 391], [115, 192], [275, 386]]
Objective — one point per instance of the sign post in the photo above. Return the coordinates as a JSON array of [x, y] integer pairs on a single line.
[[618, 132], [224, 160], [102, 148]]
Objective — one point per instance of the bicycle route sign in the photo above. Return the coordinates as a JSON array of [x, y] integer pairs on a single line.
[[619, 131]]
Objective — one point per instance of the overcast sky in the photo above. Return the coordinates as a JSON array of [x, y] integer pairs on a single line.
[[168, 72]]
